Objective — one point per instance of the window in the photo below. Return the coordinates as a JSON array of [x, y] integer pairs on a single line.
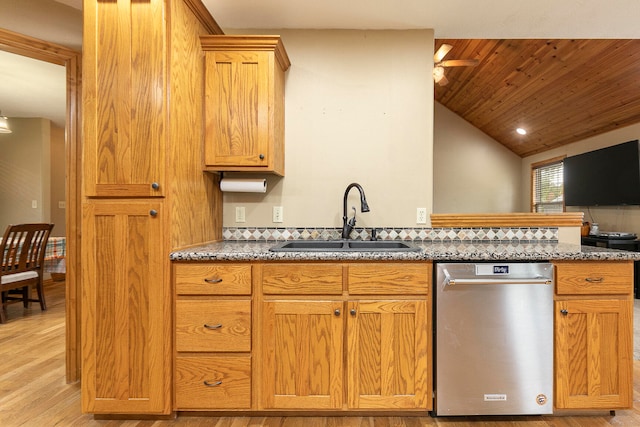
[[547, 190]]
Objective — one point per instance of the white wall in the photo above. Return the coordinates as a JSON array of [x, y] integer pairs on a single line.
[[25, 172], [614, 218], [358, 108], [472, 173], [43, 19]]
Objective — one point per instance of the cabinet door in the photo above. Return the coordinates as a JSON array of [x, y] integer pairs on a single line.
[[302, 354], [388, 355], [125, 309], [594, 353], [124, 102], [237, 109]]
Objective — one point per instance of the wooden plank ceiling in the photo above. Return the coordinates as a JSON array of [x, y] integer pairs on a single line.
[[561, 91]]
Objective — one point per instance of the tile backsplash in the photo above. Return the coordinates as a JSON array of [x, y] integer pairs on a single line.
[[490, 234]]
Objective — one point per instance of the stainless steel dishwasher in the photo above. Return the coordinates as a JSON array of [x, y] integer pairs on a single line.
[[494, 339]]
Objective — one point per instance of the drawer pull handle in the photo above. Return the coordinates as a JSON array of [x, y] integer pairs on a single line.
[[212, 383], [213, 280], [564, 312], [218, 326], [594, 279]]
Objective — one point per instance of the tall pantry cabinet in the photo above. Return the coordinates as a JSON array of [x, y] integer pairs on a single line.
[[144, 192]]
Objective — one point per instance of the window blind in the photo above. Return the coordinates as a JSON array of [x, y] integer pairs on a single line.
[[548, 189]]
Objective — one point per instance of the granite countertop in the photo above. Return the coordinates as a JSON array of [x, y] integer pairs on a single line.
[[437, 251]]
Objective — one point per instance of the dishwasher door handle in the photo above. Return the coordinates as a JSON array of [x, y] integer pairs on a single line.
[[451, 281]]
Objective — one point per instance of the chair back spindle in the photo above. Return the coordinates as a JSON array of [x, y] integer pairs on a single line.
[[22, 251]]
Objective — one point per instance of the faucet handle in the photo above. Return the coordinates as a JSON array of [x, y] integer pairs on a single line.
[[352, 221], [374, 232]]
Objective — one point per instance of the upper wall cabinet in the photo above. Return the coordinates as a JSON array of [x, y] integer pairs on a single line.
[[244, 103]]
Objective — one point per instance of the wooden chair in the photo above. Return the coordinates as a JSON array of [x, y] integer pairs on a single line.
[[22, 252]]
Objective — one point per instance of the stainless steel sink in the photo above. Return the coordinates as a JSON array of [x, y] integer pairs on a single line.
[[344, 246]]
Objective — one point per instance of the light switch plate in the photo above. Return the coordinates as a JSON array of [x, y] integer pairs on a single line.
[[278, 214], [240, 214]]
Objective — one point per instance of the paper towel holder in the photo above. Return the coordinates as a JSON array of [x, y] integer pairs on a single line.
[[243, 185]]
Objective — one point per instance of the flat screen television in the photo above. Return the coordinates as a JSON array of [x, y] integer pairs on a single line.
[[605, 177]]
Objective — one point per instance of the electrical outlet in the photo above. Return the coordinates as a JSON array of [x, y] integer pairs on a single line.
[[240, 214], [421, 216], [278, 214], [62, 204], [34, 204]]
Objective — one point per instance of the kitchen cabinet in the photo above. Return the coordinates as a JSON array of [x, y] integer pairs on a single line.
[[593, 335], [384, 336], [389, 340], [302, 353], [124, 308], [213, 336], [142, 111], [387, 355], [124, 132], [244, 103]]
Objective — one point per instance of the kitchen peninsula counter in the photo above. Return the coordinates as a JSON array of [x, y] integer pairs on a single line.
[[430, 251]]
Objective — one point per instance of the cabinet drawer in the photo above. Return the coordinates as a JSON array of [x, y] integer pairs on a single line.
[[213, 382], [393, 278], [213, 279], [582, 278], [213, 325], [302, 279]]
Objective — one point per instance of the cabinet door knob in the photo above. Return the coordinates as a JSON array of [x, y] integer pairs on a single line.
[[261, 156], [564, 311], [153, 212], [337, 312], [155, 185], [353, 311]]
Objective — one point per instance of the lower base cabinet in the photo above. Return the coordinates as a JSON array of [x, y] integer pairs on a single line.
[[375, 336], [329, 336], [302, 354], [213, 382], [212, 318], [387, 355], [594, 335], [594, 354]]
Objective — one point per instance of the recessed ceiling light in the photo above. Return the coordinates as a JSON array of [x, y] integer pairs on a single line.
[[521, 131]]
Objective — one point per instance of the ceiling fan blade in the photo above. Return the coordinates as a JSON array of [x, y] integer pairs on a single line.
[[443, 81], [442, 52], [459, 63]]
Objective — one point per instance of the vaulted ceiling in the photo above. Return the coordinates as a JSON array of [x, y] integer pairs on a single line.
[[560, 91]]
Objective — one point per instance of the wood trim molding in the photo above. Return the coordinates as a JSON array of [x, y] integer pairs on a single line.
[[565, 219], [35, 48], [49, 52], [248, 42], [203, 15]]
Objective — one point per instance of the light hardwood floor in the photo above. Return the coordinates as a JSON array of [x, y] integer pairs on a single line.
[[33, 391]]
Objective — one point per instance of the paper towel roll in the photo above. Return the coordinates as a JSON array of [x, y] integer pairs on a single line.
[[244, 185]]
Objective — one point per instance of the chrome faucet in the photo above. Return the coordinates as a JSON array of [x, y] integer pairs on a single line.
[[348, 224]]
